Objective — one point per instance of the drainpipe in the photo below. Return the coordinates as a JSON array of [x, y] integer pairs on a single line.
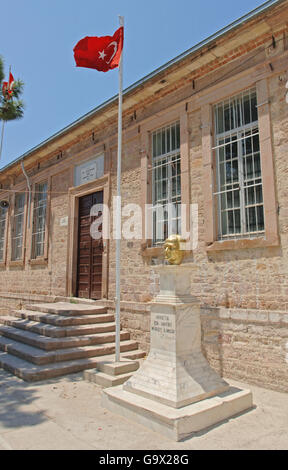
[[29, 189]]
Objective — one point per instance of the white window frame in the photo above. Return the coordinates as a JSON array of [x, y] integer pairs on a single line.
[[210, 97], [3, 233], [39, 204], [16, 216], [234, 220], [166, 196]]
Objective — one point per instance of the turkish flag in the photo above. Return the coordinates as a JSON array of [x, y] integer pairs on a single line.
[[100, 53], [7, 88]]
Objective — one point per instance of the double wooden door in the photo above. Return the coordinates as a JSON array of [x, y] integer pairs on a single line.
[[90, 248]]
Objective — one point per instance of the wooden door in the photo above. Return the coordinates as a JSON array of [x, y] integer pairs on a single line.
[[90, 250]]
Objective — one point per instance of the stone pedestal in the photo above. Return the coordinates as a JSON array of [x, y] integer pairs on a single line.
[[176, 376]]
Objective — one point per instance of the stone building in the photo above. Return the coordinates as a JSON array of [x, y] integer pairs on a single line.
[[208, 129]]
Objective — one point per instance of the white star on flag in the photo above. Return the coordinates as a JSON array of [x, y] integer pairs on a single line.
[[102, 55]]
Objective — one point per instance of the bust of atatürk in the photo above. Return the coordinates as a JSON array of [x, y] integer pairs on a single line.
[[173, 252]]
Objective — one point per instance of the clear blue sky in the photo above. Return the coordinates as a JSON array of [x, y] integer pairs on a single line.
[[37, 39]]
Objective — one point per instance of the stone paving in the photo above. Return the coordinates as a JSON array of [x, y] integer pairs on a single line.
[[66, 414]]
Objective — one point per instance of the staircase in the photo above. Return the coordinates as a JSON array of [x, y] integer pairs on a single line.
[[49, 340]]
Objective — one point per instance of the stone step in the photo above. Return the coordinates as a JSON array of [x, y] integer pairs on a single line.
[[56, 331], [66, 308], [48, 344], [50, 340], [31, 373], [106, 380], [61, 320], [117, 368], [40, 357], [110, 373], [135, 354]]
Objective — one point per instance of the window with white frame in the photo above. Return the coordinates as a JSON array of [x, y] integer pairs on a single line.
[[18, 227], [166, 182], [3, 217], [39, 220], [238, 178]]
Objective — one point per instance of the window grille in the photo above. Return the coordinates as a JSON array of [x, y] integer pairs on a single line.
[[3, 215], [39, 220], [18, 226], [238, 178], [166, 182]]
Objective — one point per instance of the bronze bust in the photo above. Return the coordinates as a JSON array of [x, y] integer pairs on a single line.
[[173, 252]]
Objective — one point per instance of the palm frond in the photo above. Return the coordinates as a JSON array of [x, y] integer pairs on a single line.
[[12, 109], [18, 88]]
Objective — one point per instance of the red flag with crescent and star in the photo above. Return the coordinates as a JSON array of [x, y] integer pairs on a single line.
[[100, 53], [7, 88]]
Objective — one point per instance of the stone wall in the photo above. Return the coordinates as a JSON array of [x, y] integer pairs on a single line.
[[247, 344], [243, 293]]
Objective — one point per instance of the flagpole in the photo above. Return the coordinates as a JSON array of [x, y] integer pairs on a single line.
[[118, 207], [2, 131], [2, 135]]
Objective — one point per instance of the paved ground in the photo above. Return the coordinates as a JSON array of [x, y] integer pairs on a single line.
[[66, 414]]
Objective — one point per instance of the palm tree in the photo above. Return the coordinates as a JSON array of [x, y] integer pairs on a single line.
[[11, 107]]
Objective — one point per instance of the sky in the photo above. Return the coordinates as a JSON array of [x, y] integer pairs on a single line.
[[37, 38]]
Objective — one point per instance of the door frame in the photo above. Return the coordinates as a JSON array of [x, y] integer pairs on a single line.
[[101, 184]]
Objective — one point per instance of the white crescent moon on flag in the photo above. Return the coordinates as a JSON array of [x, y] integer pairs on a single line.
[[113, 43]]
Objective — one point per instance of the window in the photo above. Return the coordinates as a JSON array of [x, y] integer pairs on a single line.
[[39, 220], [3, 217], [18, 227], [238, 177], [166, 182]]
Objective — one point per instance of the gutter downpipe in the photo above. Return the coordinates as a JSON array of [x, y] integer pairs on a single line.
[[29, 189]]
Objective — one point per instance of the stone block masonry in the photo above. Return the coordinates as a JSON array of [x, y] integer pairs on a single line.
[[242, 289]]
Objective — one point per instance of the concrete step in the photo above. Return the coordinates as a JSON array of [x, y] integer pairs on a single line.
[[135, 354], [56, 331], [31, 373], [60, 320], [117, 368], [48, 344], [66, 308], [105, 380], [40, 357], [110, 373], [51, 340]]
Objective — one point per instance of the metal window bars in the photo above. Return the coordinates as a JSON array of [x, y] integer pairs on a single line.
[[3, 215], [18, 226], [166, 182], [39, 219], [239, 196]]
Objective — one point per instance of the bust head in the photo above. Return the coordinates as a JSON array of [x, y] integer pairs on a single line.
[[172, 247]]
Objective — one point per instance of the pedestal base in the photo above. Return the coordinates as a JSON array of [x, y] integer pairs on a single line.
[[174, 381], [175, 391], [177, 424]]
